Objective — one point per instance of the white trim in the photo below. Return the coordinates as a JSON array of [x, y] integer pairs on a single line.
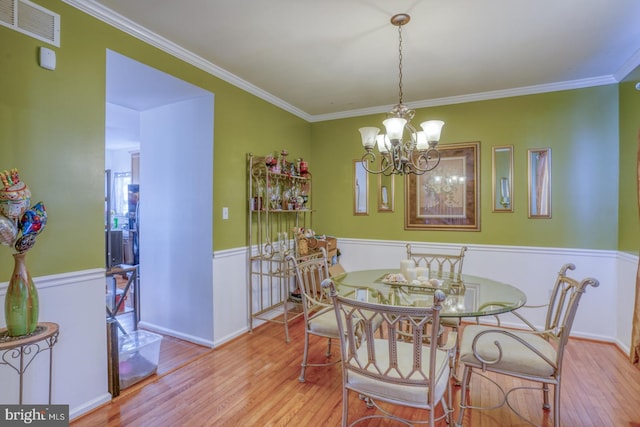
[[62, 279], [599, 253], [90, 405], [482, 96], [167, 331], [628, 67], [124, 24], [227, 253]]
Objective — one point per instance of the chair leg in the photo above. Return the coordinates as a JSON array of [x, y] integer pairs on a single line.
[[447, 405], [304, 357], [466, 378], [556, 402], [345, 406], [456, 357], [545, 394], [328, 347]]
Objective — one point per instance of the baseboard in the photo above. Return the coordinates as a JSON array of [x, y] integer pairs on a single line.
[[90, 406], [165, 331]]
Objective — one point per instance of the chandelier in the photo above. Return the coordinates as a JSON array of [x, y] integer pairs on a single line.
[[403, 149]]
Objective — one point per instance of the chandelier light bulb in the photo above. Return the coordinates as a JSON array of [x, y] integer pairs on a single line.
[[383, 143], [432, 129], [421, 141], [369, 137], [395, 128]]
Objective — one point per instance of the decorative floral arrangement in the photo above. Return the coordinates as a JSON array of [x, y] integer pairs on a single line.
[[19, 224]]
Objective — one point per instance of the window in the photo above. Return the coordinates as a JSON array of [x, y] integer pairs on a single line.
[[121, 181]]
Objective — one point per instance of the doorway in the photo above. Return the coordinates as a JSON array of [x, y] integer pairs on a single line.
[[167, 125]]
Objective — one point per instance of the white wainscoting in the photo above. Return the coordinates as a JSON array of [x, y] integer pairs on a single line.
[[605, 312], [76, 302], [603, 315], [230, 294]]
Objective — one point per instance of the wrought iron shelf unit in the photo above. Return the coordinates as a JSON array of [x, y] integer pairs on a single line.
[[278, 203]]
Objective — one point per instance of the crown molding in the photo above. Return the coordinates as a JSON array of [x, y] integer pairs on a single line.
[[628, 67], [126, 25], [481, 96]]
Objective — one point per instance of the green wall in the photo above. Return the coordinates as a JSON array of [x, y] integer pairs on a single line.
[[52, 130], [580, 126], [628, 225]]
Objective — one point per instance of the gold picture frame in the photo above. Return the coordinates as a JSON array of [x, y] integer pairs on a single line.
[[502, 178], [447, 197], [360, 189], [386, 193], [539, 182]]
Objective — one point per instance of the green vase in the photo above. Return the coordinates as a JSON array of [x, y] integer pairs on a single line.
[[21, 302]]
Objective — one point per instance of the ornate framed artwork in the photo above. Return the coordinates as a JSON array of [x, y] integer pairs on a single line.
[[447, 197]]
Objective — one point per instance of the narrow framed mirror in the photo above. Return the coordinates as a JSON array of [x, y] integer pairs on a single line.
[[360, 189], [502, 178], [539, 177], [386, 197]]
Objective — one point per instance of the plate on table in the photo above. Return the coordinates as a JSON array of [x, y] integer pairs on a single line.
[[420, 282]]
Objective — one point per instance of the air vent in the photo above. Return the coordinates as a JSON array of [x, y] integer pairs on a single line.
[[31, 19]]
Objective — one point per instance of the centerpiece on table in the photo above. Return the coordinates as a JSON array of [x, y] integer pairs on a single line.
[[19, 226]]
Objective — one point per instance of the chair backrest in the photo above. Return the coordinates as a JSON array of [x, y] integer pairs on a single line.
[[439, 265], [392, 360], [310, 271], [563, 305]]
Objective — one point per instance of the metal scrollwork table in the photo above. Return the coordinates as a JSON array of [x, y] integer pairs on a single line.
[[19, 352]]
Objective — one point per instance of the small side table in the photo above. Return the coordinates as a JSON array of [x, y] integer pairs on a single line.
[[19, 352]]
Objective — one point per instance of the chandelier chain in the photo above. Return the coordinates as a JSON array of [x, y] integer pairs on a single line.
[[399, 155], [400, 63]]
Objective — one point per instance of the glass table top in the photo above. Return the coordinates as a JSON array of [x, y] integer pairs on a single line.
[[467, 296]]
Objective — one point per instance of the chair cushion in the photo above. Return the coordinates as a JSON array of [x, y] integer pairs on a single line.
[[414, 395], [324, 323], [516, 357], [450, 322]]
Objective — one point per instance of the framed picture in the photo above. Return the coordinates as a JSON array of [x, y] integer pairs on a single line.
[[539, 177], [447, 197]]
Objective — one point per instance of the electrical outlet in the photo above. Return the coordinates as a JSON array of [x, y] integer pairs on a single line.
[[225, 213]]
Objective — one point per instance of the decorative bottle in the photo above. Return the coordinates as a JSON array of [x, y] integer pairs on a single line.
[[21, 303]]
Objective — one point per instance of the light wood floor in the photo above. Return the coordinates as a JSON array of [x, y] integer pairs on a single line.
[[253, 381]]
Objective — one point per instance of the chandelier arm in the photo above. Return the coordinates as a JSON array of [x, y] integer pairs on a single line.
[[429, 158], [387, 167], [370, 157]]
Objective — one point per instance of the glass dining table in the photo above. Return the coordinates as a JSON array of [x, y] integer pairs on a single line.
[[467, 295]]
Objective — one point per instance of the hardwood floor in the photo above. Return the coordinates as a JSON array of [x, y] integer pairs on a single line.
[[253, 381]]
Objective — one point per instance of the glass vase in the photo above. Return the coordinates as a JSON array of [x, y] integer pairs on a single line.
[[21, 301]]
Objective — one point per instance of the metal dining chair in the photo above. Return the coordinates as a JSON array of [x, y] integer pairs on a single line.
[[442, 265], [533, 355], [385, 368], [319, 317]]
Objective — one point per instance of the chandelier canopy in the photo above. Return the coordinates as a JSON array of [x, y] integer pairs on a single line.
[[403, 149]]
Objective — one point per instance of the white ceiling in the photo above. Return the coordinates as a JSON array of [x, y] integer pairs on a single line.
[[339, 58]]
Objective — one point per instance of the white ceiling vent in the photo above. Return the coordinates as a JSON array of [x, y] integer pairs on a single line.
[[31, 19]]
